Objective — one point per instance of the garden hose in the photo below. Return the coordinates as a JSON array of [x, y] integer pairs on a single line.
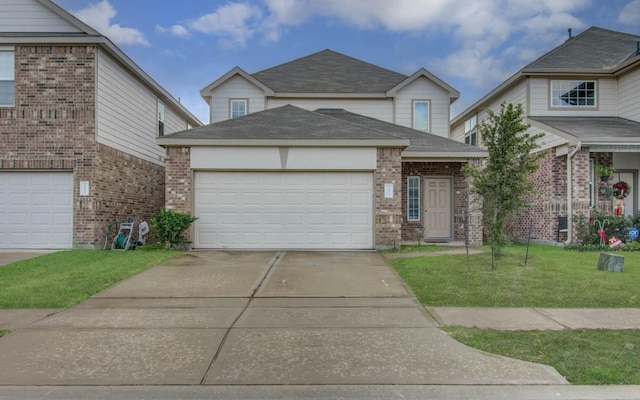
[[106, 238]]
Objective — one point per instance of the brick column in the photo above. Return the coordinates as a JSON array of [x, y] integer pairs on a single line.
[[388, 211], [178, 182]]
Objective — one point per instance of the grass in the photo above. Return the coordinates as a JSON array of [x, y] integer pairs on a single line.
[[414, 248], [553, 277], [4, 332], [66, 278], [593, 357]]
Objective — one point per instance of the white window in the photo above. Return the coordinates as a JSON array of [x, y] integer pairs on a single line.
[[413, 198], [592, 192], [470, 131], [160, 118], [568, 93], [7, 85], [421, 115], [238, 108]]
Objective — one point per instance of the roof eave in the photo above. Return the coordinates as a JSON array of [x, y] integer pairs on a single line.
[[408, 155], [199, 142], [453, 93], [329, 95], [205, 92]]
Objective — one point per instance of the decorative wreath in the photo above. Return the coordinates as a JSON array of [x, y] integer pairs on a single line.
[[621, 190]]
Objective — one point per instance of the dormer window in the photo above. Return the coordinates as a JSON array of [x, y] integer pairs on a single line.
[[573, 93], [421, 115], [238, 108]]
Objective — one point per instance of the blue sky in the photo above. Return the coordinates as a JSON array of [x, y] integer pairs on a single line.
[[473, 45]]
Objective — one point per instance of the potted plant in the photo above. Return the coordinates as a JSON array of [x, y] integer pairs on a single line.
[[605, 172]]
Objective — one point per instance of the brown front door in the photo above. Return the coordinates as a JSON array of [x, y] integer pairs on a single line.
[[437, 201]]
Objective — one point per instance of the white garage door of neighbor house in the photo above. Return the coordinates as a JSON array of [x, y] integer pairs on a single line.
[[37, 210], [282, 210]]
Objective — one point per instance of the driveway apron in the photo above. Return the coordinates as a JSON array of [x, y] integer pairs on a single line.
[[237, 318]]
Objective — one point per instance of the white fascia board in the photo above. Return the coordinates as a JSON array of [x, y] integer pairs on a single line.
[[449, 156], [183, 142]]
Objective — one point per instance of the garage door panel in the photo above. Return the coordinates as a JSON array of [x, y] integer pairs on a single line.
[[283, 210]]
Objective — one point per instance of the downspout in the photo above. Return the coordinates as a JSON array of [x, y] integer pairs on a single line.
[[570, 191]]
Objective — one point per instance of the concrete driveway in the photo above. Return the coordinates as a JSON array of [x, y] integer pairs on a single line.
[[251, 318], [8, 256]]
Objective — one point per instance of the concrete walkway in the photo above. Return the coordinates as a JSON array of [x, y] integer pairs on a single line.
[[254, 318]]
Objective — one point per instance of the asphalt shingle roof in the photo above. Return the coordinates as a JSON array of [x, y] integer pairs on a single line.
[[593, 127], [329, 72], [595, 49], [283, 123], [420, 141]]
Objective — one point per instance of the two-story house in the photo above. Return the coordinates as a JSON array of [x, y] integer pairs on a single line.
[[78, 124], [325, 151], [584, 96]]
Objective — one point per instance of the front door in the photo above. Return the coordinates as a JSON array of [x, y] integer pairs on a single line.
[[437, 213]]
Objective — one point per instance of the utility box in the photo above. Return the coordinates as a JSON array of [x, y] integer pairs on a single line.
[[611, 262]]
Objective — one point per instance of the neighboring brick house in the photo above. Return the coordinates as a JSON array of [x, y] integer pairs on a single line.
[[78, 123], [584, 96], [325, 151]]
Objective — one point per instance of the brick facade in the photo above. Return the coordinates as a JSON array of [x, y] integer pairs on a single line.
[[179, 183], [388, 211], [462, 202], [52, 127], [550, 200]]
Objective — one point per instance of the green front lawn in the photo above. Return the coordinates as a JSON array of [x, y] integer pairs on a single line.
[[64, 279], [553, 277], [593, 357]]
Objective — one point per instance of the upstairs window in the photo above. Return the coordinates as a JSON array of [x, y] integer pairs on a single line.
[[568, 93], [471, 131], [160, 118], [7, 68], [413, 198], [238, 108], [421, 115]]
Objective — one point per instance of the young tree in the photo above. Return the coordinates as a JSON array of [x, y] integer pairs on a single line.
[[504, 180]]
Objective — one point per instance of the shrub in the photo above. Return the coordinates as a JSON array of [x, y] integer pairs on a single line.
[[169, 226], [587, 228]]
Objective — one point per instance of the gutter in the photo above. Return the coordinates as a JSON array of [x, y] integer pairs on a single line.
[[570, 191]]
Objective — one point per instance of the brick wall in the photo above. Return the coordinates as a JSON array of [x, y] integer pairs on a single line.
[[461, 199], [52, 127], [178, 182], [388, 211]]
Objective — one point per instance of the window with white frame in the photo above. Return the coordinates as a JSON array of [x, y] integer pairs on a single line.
[[471, 131], [238, 108], [160, 131], [413, 198], [573, 93], [592, 189], [7, 76], [421, 115]]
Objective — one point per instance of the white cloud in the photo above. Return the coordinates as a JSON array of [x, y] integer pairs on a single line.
[[235, 23], [631, 13], [175, 30], [99, 17]]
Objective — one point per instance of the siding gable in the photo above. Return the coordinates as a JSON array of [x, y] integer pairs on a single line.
[[235, 87], [424, 89], [31, 16]]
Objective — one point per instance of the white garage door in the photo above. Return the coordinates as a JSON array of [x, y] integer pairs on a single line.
[[279, 210], [37, 210]]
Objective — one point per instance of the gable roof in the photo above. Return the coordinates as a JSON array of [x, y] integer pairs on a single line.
[[205, 93], [72, 30], [328, 71], [594, 50]]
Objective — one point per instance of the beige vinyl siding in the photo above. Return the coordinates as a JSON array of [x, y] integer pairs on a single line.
[[606, 98], [235, 88], [629, 95], [31, 16], [126, 112], [516, 95], [375, 108], [424, 89]]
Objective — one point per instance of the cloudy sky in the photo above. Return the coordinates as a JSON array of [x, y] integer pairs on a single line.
[[471, 44]]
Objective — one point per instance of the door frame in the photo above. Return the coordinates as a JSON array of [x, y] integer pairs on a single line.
[[451, 207]]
